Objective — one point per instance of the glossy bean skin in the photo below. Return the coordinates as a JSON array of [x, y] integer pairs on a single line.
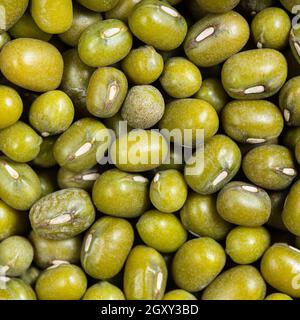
[[164, 29], [224, 162], [217, 6], [294, 41], [277, 204], [278, 296], [104, 43], [190, 114], [203, 257], [20, 142], [291, 137], [103, 291], [270, 28], [20, 186], [113, 85], [82, 18], [12, 222], [161, 231], [82, 145], [75, 80], [280, 260], [180, 78], [168, 200], [11, 106], [16, 289], [130, 190], [246, 245], [290, 214], [145, 274], [200, 217], [122, 10], [12, 11], [99, 6], [206, 37], [47, 251], [27, 28], [179, 294], [143, 65], [238, 283], [213, 92], [45, 158], [52, 16], [43, 72], [249, 121], [270, 166], [16, 255], [154, 152], [61, 282], [113, 238], [288, 101], [256, 80], [30, 275], [51, 113], [244, 204]]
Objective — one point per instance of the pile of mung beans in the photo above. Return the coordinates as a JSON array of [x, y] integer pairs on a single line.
[[149, 150]]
